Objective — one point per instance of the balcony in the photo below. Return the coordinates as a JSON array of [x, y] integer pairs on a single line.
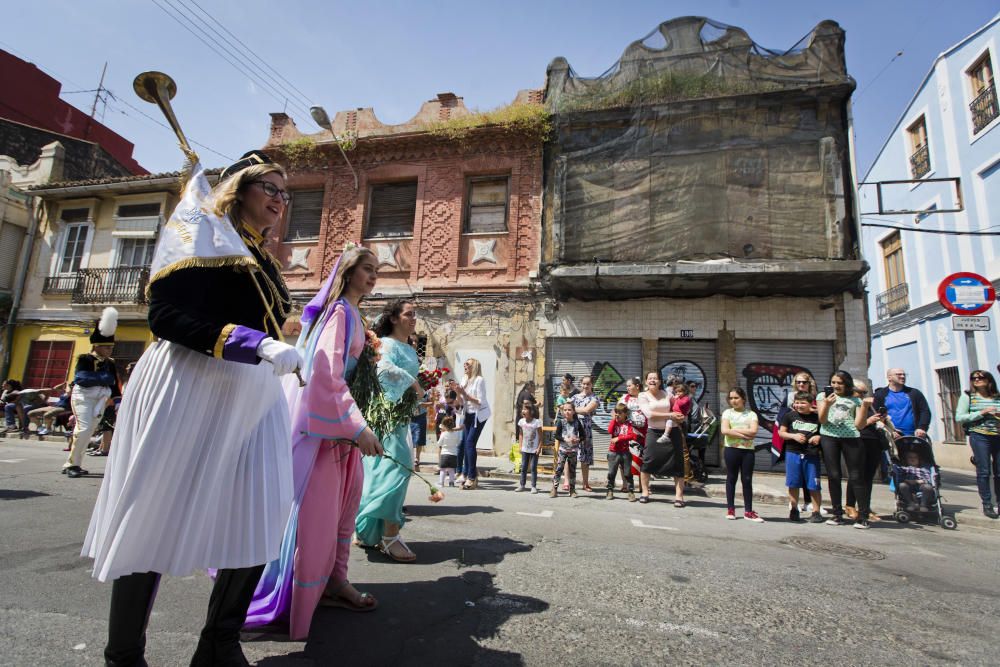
[[984, 108], [893, 301], [124, 285], [920, 162], [59, 284]]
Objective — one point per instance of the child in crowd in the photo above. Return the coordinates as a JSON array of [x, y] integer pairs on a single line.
[[531, 429], [448, 450], [912, 477], [799, 429], [565, 394], [449, 407], [680, 402], [623, 435], [569, 434], [739, 427]]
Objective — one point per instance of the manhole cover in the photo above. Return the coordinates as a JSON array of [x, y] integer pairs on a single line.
[[832, 548]]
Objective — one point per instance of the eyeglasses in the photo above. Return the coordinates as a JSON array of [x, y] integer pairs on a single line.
[[802, 382], [978, 377], [271, 190]]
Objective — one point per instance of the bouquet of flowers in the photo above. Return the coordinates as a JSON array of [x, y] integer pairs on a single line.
[[431, 377]]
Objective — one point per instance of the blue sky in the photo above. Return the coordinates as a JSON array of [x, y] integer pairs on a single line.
[[394, 55]]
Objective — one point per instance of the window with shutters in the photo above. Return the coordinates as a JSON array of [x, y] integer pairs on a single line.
[[984, 107], [74, 243], [391, 210], [11, 239], [305, 215], [136, 252], [486, 204], [138, 210], [920, 157]]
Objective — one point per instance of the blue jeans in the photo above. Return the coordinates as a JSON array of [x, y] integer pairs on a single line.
[[10, 414], [418, 430], [986, 449], [529, 462], [473, 428]]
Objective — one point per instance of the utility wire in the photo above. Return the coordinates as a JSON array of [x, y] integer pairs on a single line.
[[302, 96], [946, 232], [228, 57]]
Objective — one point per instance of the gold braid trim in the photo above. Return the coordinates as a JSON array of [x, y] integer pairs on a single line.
[[220, 343], [200, 262]]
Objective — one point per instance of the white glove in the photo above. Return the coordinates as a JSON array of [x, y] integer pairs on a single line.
[[284, 357]]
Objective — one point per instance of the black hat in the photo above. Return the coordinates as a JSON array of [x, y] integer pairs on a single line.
[[249, 159], [104, 328]]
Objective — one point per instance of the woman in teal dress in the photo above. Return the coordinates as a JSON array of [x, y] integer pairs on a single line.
[[381, 514]]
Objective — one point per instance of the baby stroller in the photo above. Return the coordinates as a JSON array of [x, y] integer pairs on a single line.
[[698, 440], [915, 475]]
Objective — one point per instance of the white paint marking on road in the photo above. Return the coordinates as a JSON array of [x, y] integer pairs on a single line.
[[926, 552], [546, 514], [639, 524], [79, 647], [12, 460]]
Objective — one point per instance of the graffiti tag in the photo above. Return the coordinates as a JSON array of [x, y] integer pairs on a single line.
[[768, 386]]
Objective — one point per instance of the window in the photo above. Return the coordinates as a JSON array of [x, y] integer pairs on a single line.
[[136, 252], [305, 215], [920, 158], [892, 256], [391, 210], [48, 363], [951, 389], [984, 106], [138, 211], [486, 204], [73, 247], [421, 347]]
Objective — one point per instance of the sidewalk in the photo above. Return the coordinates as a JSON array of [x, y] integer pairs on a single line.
[[958, 491]]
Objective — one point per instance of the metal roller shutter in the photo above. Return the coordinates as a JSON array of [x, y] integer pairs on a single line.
[[610, 360], [766, 369], [694, 360]]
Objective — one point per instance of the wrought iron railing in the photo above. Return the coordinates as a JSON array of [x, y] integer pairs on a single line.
[[920, 162], [893, 301], [59, 284], [984, 108], [120, 285]]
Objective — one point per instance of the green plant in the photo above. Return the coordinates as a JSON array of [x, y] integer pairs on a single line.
[[301, 152], [527, 119]]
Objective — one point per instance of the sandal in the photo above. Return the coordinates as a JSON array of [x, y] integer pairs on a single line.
[[386, 547], [680, 503], [337, 601], [643, 499], [588, 489]]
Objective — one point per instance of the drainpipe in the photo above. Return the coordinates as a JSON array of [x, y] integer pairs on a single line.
[[22, 276]]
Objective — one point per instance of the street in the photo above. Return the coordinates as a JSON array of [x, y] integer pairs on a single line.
[[509, 578]]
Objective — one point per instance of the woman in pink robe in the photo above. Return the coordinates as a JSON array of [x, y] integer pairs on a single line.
[[312, 567]]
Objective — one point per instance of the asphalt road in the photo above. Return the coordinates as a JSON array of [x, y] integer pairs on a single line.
[[509, 578]]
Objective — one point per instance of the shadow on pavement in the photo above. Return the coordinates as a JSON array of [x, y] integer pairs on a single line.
[[20, 494], [443, 510], [465, 553], [421, 622]]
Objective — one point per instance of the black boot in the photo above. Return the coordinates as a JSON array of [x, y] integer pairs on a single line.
[[131, 602], [219, 644]]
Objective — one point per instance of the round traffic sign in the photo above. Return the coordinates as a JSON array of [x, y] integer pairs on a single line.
[[966, 293]]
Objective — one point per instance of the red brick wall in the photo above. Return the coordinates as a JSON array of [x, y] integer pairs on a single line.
[[437, 258]]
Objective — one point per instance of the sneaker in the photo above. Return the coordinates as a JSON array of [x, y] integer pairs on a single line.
[[554, 492], [534, 490], [519, 489], [793, 515], [631, 497], [823, 512], [752, 516], [805, 508], [75, 471], [731, 514], [815, 517], [451, 483], [610, 495], [572, 493], [835, 520], [990, 512], [460, 479], [42, 431], [663, 439], [862, 524]]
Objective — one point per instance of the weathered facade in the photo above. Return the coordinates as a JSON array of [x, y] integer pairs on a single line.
[[451, 203], [699, 217]]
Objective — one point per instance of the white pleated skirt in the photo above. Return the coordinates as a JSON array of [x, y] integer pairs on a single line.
[[200, 472]]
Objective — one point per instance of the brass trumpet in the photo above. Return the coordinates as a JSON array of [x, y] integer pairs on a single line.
[[158, 88]]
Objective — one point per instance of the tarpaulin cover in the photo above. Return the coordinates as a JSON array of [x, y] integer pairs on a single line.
[[699, 143]]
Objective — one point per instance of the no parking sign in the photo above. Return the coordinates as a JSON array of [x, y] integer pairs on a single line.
[[966, 293]]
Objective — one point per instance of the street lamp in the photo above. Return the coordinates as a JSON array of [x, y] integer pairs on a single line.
[[321, 118]]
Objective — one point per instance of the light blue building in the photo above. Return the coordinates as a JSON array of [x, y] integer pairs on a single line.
[[951, 128]]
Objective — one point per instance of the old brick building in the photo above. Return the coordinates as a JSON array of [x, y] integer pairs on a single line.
[[451, 203]]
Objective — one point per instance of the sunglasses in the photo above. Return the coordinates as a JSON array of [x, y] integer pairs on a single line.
[[802, 382], [978, 377]]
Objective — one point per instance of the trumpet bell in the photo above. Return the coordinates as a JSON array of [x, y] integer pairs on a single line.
[[154, 86]]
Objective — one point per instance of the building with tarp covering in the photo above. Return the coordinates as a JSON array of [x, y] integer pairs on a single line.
[[699, 218]]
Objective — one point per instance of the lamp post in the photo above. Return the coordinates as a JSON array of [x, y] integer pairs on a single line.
[[321, 118]]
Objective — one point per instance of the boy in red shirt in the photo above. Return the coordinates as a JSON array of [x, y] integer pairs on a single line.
[[622, 435]]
